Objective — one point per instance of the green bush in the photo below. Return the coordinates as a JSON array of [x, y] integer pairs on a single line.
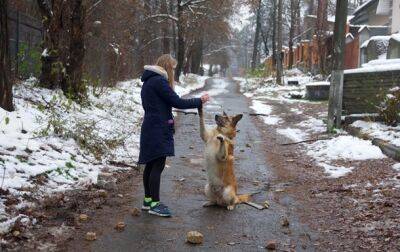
[[389, 109], [259, 72], [29, 61]]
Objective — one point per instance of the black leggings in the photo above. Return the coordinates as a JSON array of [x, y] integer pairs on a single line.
[[151, 178]]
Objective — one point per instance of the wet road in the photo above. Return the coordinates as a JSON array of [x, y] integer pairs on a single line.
[[245, 228]]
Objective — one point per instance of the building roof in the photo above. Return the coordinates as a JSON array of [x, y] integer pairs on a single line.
[[364, 6]]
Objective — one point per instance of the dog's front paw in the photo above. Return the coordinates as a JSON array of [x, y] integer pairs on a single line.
[[221, 138], [231, 207]]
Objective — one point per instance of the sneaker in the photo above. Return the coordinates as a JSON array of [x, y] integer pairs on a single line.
[[160, 210], [146, 205]]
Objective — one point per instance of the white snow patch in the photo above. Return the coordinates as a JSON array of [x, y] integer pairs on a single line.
[[344, 147], [261, 108], [296, 135], [379, 130], [219, 87], [313, 125], [335, 171]]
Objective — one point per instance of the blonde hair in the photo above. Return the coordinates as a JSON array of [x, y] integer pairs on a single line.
[[167, 62]]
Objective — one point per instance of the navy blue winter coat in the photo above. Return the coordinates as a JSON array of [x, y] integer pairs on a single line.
[[158, 98]]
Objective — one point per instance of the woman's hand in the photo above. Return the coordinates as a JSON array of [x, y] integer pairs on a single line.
[[205, 98]]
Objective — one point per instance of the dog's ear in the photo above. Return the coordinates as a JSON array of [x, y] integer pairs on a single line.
[[224, 113], [236, 119], [220, 120]]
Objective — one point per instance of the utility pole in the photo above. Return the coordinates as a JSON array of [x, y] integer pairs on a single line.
[[336, 88]]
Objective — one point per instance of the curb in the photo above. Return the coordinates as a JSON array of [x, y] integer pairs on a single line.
[[388, 149]]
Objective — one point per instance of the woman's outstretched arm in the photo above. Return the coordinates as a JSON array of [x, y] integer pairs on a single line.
[[172, 98]]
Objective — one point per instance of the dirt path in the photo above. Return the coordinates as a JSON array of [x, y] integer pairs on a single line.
[[244, 229]]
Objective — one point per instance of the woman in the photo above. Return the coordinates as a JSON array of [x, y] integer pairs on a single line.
[[156, 138]]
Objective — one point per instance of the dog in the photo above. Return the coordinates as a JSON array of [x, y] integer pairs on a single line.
[[221, 188]]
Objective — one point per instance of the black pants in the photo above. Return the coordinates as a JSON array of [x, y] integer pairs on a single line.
[[151, 178]]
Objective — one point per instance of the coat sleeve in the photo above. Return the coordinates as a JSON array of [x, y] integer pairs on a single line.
[[169, 96]]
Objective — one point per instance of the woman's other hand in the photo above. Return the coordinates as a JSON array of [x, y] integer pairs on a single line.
[[205, 98]]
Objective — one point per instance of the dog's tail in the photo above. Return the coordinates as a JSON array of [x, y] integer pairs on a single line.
[[243, 198]]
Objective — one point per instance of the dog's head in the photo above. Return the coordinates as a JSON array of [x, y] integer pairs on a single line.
[[227, 124]]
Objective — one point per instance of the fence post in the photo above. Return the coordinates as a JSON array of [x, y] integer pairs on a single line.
[[17, 45]]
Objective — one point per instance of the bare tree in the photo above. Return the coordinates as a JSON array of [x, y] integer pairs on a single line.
[[256, 35], [75, 87], [294, 23], [279, 63], [52, 74], [64, 50], [6, 95], [322, 23]]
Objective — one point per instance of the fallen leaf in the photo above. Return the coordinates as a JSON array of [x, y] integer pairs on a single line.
[[103, 193], [135, 211], [83, 217], [194, 237], [285, 222], [120, 226], [91, 236], [271, 245]]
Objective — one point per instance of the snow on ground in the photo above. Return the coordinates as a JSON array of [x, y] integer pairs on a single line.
[[68, 144], [335, 171], [380, 130], [295, 135], [313, 125], [397, 167], [344, 147], [324, 152], [265, 111], [219, 87]]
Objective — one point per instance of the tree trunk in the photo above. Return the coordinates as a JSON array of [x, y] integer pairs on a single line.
[[210, 70], [292, 31], [256, 37], [165, 31], [75, 87], [274, 33], [336, 88], [181, 42], [279, 68], [52, 75], [6, 94], [197, 54], [174, 43], [322, 22]]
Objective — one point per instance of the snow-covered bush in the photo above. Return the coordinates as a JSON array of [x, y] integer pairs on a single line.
[[389, 109]]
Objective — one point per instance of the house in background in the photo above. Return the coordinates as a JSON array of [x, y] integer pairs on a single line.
[[371, 35], [371, 27]]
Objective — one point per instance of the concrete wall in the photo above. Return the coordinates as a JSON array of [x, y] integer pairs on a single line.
[[360, 90], [396, 16], [377, 19]]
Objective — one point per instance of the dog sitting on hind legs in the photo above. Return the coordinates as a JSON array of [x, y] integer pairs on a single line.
[[221, 188]]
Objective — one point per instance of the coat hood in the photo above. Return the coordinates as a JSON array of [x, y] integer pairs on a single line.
[[150, 71]]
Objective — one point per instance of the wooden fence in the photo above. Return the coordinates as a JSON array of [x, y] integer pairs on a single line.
[[362, 92]]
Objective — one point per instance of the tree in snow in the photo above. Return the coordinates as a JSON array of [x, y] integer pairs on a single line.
[[62, 58], [5, 82]]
